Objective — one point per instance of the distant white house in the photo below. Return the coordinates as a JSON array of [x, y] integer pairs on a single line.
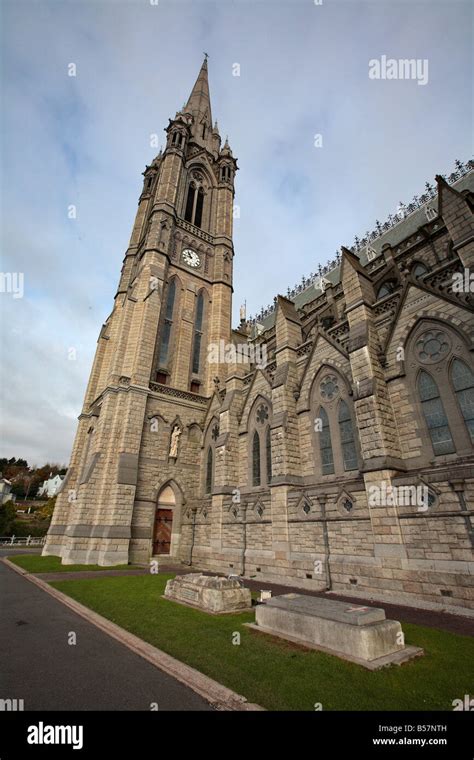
[[5, 490], [51, 486]]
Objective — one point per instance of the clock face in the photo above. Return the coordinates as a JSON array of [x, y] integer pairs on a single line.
[[191, 258]]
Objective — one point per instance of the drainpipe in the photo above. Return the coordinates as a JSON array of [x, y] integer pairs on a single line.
[[194, 510], [244, 542], [322, 500]]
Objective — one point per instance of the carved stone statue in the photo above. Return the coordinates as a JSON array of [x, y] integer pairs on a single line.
[[174, 442]]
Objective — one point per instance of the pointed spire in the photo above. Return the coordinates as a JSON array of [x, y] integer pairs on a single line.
[[226, 150], [199, 102]]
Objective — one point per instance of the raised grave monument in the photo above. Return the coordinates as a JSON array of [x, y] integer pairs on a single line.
[[353, 632], [209, 593]]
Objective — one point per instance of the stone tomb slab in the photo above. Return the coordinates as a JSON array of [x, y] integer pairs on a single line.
[[209, 593], [351, 631]]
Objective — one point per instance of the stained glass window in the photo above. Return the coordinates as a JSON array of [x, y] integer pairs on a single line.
[[346, 431], [463, 382], [329, 387], [387, 288], [256, 459], [435, 416], [327, 459], [419, 270], [209, 471]]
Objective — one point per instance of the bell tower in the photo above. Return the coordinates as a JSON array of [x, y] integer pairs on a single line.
[[185, 219], [173, 303]]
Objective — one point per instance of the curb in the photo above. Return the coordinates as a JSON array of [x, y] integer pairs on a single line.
[[219, 696]]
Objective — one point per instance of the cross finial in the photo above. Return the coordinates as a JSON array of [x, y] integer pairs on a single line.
[[206, 56]]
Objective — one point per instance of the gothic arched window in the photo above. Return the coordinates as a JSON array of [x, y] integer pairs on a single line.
[[333, 433], [386, 289], [433, 411], [209, 470], [177, 139], [198, 334], [167, 324], [259, 442], [463, 383], [440, 375], [325, 445], [268, 453], [188, 214], [199, 207], [349, 454], [256, 459], [419, 269]]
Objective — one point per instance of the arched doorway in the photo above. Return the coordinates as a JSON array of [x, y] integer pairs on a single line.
[[164, 521]]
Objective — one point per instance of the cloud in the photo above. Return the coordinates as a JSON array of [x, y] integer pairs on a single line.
[[85, 140]]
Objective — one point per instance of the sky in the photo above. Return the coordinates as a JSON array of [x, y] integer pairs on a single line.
[[85, 140]]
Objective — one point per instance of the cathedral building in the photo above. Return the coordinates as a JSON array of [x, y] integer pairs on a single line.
[[325, 444]]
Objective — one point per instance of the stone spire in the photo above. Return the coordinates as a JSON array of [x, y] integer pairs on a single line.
[[199, 102]]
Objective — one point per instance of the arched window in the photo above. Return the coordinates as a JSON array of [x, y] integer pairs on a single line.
[[268, 453], [328, 321], [333, 434], [346, 432], [194, 205], [167, 324], [256, 459], [209, 470], [463, 382], [433, 410], [419, 269], [198, 334], [325, 446], [199, 207], [188, 214], [386, 289]]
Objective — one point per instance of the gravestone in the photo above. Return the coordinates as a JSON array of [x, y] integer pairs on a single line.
[[209, 593], [353, 632]]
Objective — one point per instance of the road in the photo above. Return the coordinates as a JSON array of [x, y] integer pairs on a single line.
[[98, 673]]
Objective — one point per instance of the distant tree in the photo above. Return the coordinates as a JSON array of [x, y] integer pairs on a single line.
[[27, 480], [25, 485], [45, 512], [7, 517]]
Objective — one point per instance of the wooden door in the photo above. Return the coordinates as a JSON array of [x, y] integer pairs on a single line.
[[162, 533]]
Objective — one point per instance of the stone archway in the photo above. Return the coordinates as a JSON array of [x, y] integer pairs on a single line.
[[163, 524], [167, 521]]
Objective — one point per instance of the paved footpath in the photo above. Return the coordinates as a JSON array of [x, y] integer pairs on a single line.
[[98, 673]]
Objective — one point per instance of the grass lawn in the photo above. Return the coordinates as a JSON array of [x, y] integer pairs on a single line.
[[35, 563], [275, 674]]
